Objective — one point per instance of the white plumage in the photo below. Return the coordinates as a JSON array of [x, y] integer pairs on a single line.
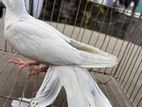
[[39, 41], [80, 88]]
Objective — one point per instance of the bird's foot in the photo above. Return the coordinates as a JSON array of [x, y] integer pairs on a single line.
[[23, 63], [37, 69]]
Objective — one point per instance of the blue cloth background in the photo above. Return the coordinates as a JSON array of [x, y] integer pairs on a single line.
[[139, 7]]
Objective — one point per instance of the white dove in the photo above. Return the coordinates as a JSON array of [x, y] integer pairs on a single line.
[[42, 43]]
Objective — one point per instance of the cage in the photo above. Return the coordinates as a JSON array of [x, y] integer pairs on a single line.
[[111, 28]]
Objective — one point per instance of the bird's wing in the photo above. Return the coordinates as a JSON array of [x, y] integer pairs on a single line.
[[41, 43], [84, 48], [79, 45], [45, 44], [90, 52], [76, 44]]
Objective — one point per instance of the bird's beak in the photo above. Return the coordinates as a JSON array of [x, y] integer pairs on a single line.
[[2, 6]]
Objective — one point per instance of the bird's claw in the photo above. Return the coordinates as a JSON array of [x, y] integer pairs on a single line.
[[23, 63], [37, 69], [20, 62]]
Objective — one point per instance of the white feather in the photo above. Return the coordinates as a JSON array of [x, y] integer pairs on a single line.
[[43, 43], [80, 88]]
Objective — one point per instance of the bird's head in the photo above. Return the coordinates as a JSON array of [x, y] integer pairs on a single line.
[[14, 5]]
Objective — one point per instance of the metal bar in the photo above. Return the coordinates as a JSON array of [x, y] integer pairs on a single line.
[[65, 25], [93, 27], [35, 84], [139, 102], [125, 55], [114, 7], [86, 24], [107, 32], [44, 10], [6, 63], [132, 67], [3, 58], [106, 50], [117, 42], [134, 73], [24, 90], [104, 39], [52, 11], [82, 20], [101, 27], [6, 78], [135, 84], [77, 13], [66, 19], [127, 49], [31, 7], [137, 93], [61, 7], [5, 45], [4, 105], [126, 62]]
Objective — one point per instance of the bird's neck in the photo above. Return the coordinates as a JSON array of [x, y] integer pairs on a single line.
[[17, 7], [15, 11]]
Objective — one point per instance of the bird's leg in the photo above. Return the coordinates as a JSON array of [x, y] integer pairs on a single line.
[[23, 63], [38, 69]]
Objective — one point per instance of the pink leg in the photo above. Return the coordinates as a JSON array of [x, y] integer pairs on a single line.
[[23, 63], [37, 69]]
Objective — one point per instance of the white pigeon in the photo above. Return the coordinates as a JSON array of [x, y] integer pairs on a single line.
[[41, 42], [80, 88]]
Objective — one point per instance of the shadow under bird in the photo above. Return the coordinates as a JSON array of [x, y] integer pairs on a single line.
[[44, 44]]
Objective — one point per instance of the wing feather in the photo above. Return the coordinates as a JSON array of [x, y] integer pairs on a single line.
[[39, 41]]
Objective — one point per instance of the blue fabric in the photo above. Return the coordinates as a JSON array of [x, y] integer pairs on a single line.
[[139, 7], [126, 3]]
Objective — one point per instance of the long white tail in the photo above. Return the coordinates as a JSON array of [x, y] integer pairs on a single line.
[[80, 88], [97, 61], [93, 57]]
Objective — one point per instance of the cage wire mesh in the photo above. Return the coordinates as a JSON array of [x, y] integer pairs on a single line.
[[110, 28]]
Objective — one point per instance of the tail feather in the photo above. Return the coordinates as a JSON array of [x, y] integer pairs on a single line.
[[90, 60], [94, 57]]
